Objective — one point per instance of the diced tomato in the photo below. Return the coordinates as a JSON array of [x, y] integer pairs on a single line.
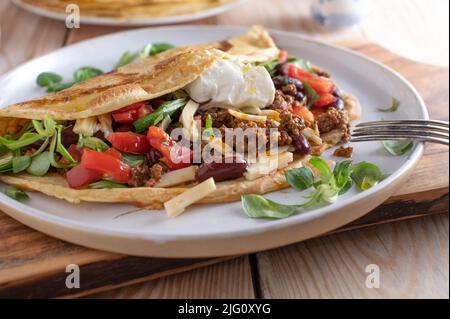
[[127, 117], [129, 142], [303, 112], [75, 152], [132, 107], [143, 111], [80, 176], [318, 83], [325, 100], [321, 85], [283, 56], [175, 155], [115, 153], [298, 73], [131, 113], [106, 164]]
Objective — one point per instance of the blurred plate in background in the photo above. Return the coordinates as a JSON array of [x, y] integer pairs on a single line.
[[129, 20]]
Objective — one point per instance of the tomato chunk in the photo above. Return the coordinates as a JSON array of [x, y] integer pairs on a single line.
[[303, 112], [131, 113], [80, 176], [318, 83], [115, 153], [129, 142], [175, 155], [107, 164], [325, 100]]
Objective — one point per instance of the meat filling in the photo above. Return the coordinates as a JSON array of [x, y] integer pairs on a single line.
[[334, 119]]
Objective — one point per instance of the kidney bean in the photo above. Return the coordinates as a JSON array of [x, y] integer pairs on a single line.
[[301, 145], [69, 137], [153, 157], [337, 93], [300, 96], [222, 171], [339, 104], [283, 69]]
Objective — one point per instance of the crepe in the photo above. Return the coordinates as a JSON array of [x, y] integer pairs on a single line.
[[143, 80], [130, 9]]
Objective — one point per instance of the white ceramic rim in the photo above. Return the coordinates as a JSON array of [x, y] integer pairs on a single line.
[[132, 22], [411, 161]]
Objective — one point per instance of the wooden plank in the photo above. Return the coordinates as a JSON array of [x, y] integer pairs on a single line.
[[232, 279], [412, 257]]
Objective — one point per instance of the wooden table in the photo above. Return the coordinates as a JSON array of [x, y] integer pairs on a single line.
[[412, 255]]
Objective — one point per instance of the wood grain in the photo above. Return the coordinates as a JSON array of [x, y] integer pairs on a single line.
[[412, 256], [223, 281]]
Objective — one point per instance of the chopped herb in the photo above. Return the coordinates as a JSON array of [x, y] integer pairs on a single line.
[[393, 108], [15, 193], [208, 132], [166, 109], [397, 147], [303, 64], [271, 66], [311, 94]]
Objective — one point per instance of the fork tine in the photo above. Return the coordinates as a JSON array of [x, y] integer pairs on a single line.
[[416, 138], [413, 127], [397, 132], [405, 122]]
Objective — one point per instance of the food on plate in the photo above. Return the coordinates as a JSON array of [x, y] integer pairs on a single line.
[[214, 121], [123, 10]]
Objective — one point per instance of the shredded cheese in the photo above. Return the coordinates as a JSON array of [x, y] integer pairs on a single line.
[[271, 114], [187, 119], [176, 206], [177, 177], [248, 117], [268, 165], [87, 126], [165, 123]]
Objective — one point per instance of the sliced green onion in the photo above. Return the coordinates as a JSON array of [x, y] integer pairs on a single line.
[[15, 193]]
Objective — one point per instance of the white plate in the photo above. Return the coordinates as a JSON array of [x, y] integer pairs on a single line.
[[132, 22], [224, 229]]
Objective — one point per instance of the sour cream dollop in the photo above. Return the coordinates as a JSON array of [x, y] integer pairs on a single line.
[[230, 83]]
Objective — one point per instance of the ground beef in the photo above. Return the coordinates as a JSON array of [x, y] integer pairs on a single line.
[[334, 119], [291, 126], [289, 89], [143, 175], [282, 101], [345, 152]]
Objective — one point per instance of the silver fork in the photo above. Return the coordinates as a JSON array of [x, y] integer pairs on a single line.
[[418, 130]]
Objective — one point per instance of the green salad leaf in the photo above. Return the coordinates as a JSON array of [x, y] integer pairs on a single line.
[[397, 147], [366, 175], [271, 66], [20, 163], [393, 108], [46, 79], [166, 109], [301, 178], [330, 185], [86, 73], [158, 48], [93, 143], [302, 64], [25, 140], [15, 193], [126, 58], [40, 164]]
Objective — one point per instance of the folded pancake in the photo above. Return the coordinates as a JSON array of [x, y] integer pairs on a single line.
[[143, 80]]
